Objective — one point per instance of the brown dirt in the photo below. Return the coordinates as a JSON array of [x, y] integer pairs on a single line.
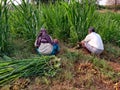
[[115, 66], [86, 77], [113, 62], [107, 10]]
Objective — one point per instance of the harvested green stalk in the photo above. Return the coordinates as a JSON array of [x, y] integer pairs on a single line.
[[44, 65]]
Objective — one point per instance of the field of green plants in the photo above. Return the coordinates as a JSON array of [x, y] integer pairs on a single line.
[[69, 22]]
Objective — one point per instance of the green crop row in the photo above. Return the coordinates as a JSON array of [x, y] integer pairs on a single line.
[[68, 22]]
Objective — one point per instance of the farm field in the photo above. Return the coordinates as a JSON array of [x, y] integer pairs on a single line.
[[21, 68]]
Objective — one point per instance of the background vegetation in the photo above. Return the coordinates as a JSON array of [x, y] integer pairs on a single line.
[[66, 21]]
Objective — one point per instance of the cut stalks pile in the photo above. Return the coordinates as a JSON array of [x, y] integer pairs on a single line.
[[39, 66]]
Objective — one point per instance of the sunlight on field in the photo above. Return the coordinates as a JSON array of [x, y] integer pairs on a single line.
[[16, 2], [102, 2]]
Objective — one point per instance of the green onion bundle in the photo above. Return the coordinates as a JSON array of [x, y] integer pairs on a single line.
[[39, 66]]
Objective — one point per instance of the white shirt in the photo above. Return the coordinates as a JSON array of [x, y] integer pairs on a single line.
[[94, 40]]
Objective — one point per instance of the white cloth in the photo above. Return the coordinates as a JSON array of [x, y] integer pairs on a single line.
[[94, 40], [45, 48], [93, 49]]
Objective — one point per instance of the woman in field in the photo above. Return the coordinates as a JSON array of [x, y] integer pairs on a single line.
[[45, 45]]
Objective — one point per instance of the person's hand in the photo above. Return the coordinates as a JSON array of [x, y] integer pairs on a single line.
[[36, 46], [83, 43]]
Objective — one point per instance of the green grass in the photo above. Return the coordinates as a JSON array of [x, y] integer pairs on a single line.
[[107, 25], [67, 22], [4, 28]]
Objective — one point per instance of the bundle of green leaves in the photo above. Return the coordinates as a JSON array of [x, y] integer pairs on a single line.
[[39, 66]]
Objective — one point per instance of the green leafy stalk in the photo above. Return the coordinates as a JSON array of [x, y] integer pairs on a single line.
[[44, 65], [4, 27]]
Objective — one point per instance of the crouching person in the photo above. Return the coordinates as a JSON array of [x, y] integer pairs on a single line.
[[93, 42], [45, 45]]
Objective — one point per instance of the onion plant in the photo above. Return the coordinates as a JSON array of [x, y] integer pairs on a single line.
[[55, 20], [25, 20], [80, 17], [69, 20], [107, 25]]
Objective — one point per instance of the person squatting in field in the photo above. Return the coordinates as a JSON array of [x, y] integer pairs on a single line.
[[93, 42], [45, 45]]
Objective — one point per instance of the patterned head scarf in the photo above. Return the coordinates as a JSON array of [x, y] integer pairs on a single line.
[[43, 37]]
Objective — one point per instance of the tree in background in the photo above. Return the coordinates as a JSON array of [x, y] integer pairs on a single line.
[[43, 1], [114, 2]]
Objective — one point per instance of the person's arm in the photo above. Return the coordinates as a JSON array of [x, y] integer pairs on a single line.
[[36, 41], [49, 39], [35, 44], [87, 38]]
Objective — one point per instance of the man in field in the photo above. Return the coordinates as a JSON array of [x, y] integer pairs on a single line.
[[93, 42]]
